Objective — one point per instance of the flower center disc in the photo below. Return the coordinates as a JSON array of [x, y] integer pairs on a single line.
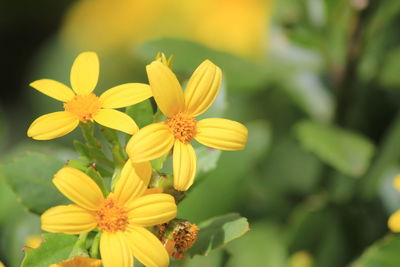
[[83, 106], [182, 126], [111, 217]]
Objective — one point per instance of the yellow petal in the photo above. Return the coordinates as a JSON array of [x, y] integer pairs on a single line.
[[166, 88], [184, 164], [52, 125], [130, 185], [79, 261], [394, 222], [85, 73], [202, 88], [150, 142], [53, 89], [221, 134], [115, 250], [70, 219], [79, 188], [152, 209], [116, 120], [146, 247], [125, 95], [153, 190]]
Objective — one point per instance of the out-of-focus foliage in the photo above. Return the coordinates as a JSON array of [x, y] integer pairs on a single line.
[[315, 81]]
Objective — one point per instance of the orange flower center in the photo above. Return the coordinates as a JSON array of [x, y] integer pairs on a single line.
[[111, 217], [182, 126], [83, 106]]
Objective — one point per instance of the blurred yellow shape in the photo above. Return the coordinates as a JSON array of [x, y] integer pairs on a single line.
[[1, 264], [236, 26], [394, 222], [301, 259], [34, 241], [396, 182], [79, 261]]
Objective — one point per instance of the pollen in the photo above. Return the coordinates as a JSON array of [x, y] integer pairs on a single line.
[[111, 217], [83, 106], [182, 126]]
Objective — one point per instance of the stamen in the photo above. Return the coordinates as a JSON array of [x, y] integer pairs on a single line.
[[83, 106], [111, 217], [183, 127]]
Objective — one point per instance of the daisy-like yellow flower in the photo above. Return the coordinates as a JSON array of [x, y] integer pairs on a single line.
[[79, 261], [394, 219], [81, 105], [181, 127], [121, 216]]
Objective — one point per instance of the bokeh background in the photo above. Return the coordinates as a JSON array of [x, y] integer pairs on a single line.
[[317, 83]]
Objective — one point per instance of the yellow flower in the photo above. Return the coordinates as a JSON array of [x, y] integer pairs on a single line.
[[81, 105], [121, 217], [394, 219], [239, 26], [79, 261], [181, 127], [1, 264]]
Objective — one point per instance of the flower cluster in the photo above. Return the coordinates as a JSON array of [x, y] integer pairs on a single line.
[[122, 217]]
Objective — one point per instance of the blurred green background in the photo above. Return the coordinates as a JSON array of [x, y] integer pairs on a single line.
[[317, 82]]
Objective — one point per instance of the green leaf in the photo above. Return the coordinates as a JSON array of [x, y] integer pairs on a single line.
[[241, 74], [309, 93], [82, 149], [215, 258], [218, 231], [55, 248], [29, 174], [262, 246], [158, 163], [316, 228], [141, 112], [383, 253], [233, 168], [207, 159], [389, 76], [344, 150]]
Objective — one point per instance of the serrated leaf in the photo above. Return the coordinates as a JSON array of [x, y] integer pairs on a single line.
[[344, 150], [383, 253], [55, 248], [141, 112], [218, 231], [29, 174]]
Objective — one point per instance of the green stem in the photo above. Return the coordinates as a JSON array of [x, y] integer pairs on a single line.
[[79, 248], [94, 250], [88, 134], [116, 149]]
